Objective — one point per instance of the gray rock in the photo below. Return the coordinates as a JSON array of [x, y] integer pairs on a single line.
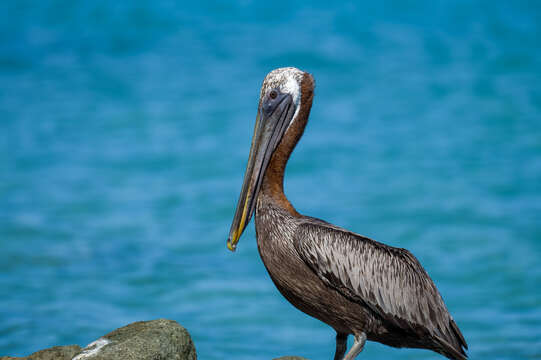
[[157, 340]]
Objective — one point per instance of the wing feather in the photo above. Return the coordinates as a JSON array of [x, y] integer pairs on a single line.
[[390, 281]]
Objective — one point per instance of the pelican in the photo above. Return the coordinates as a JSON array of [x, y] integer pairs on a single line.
[[356, 285]]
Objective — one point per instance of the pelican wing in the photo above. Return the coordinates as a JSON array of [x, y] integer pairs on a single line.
[[390, 281]]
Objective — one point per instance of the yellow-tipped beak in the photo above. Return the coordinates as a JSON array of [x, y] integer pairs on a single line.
[[235, 236], [232, 246], [274, 115]]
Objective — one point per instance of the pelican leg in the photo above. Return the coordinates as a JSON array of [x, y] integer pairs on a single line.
[[341, 345], [357, 347]]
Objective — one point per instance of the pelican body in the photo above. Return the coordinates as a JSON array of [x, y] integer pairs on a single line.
[[354, 284]]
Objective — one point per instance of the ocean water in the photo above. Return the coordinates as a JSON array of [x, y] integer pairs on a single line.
[[124, 133]]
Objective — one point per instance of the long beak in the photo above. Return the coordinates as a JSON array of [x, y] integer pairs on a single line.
[[272, 120]]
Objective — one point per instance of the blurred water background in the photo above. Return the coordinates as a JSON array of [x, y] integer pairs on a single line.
[[125, 128]]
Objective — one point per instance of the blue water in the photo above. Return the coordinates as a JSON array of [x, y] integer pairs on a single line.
[[124, 133]]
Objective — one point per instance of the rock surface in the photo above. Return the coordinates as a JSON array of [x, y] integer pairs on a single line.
[[54, 353], [157, 339]]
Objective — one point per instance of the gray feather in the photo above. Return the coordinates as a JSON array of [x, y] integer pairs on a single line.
[[390, 281]]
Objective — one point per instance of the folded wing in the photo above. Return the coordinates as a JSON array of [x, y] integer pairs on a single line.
[[390, 281]]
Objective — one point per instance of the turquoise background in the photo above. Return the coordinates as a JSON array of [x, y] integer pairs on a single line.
[[124, 133]]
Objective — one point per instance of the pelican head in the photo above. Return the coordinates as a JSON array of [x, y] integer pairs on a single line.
[[279, 104]]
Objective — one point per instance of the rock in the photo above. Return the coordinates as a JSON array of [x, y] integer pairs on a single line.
[[157, 339], [54, 353]]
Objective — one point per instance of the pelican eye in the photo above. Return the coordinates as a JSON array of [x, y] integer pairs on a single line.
[[272, 101]]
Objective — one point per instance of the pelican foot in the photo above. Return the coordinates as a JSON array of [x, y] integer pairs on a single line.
[[357, 347]]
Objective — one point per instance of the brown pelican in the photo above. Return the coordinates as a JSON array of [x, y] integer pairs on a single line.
[[354, 284]]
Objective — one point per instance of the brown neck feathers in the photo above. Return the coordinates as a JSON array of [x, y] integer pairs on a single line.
[[273, 182]]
